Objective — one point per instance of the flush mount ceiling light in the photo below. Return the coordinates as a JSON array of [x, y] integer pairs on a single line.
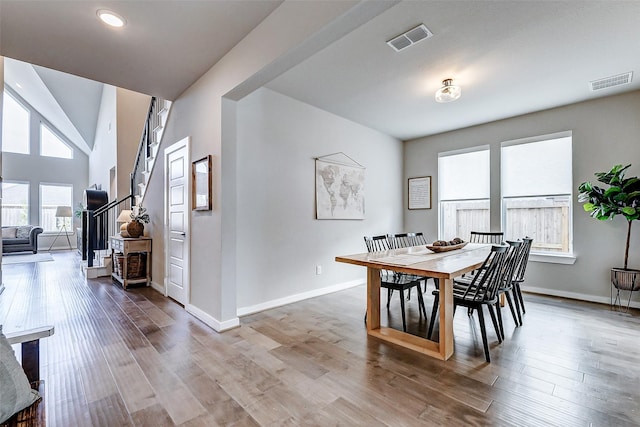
[[448, 92], [111, 18]]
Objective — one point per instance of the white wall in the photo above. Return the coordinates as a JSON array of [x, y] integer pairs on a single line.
[[103, 156], [131, 113], [279, 241], [605, 133]]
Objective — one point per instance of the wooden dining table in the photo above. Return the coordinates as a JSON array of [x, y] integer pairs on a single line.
[[420, 261]]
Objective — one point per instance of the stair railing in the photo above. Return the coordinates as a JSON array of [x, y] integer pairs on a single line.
[[97, 222]]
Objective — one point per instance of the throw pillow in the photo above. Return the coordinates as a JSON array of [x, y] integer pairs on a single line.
[[16, 391], [8, 232], [23, 232]]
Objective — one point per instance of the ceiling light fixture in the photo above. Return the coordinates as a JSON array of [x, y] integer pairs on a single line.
[[448, 92], [111, 18]]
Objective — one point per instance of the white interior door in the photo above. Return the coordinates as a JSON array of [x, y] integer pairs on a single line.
[[177, 221]]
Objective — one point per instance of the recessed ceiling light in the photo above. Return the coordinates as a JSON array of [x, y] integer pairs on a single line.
[[111, 18]]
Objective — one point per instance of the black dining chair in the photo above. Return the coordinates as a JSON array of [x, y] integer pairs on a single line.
[[493, 237], [394, 281], [417, 239], [480, 291], [521, 269]]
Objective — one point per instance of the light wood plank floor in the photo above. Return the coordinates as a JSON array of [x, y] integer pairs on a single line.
[[136, 358]]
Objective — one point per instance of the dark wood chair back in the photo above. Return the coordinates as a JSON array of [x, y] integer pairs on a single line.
[[417, 239], [376, 243], [494, 237], [484, 285], [397, 241]]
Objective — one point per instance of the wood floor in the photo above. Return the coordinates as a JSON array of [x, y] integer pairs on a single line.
[[136, 358]]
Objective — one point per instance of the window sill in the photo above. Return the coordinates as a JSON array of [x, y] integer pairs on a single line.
[[553, 258]]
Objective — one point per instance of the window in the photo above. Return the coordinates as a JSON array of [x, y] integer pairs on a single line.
[[15, 203], [537, 192], [15, 126], [52, 146], [52, 196], [463, 192]]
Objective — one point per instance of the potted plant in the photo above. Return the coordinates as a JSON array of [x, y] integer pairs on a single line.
[[139, 217], [622, 197]]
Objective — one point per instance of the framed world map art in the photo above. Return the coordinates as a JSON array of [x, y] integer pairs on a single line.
[[340, 186]]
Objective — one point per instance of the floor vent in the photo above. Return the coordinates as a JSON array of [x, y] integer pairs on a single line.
[[409, 38], [607, 82]]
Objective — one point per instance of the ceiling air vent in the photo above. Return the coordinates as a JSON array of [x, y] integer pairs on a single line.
[[409, 38], [607, 82]]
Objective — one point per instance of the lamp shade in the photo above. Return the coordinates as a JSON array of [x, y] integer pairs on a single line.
[[448, 92], [63, 212], [125, 216]]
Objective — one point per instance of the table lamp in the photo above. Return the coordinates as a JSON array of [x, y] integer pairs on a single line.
[[124, 218]]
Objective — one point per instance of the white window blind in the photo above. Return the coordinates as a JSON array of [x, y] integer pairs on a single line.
[[464, 176], [537, 168]]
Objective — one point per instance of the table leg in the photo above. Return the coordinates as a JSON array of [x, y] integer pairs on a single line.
[[446, 318], [373, 298]]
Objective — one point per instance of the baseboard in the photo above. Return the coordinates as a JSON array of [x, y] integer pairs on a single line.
[[573, 295], [158, 287], [211, 321], [245, 311]]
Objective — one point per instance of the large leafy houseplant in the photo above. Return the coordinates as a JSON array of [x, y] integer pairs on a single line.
[[622, 197]]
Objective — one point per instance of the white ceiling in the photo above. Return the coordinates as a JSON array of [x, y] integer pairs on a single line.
[[163, 49], [510, 57]]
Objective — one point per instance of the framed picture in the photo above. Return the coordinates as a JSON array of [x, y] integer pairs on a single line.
[[201, 184], [420, 192]]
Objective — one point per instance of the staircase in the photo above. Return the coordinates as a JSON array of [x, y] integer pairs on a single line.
[[96, 220], [148, 148]]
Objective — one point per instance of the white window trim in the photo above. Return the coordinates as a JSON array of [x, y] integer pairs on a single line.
[[568, 258], [28, 184], [28, 109], [52, 184], [55, 132], [473, 149]]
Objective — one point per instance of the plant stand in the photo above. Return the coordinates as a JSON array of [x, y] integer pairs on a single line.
[[623, 280]]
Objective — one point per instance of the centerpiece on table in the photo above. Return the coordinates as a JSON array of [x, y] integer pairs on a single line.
[[139, 217], [622, 197]]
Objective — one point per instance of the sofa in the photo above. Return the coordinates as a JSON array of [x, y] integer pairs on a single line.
[[20, 238]]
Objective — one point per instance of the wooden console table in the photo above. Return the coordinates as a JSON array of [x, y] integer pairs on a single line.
[[128, 246]]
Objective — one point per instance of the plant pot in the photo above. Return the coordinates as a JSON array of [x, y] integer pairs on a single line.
[[624, 279], [135, 229]]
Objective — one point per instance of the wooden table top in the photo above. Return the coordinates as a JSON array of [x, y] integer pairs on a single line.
[[421, 261]]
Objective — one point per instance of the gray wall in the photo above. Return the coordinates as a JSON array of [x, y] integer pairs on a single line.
[[203, 114], [605, 133], [37, 170], [278, 140]]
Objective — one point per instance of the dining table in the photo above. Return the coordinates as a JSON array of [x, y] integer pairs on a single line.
[[444, 265]]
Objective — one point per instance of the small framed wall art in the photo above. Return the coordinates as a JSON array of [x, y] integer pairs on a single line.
[[201, 184], [420, 192]]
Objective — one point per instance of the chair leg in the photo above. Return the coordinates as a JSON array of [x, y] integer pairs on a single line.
[[483, 332], [497, 325], [516, 302], [519, 290], [404, 320], [434, 312], [512, 308], [421, 309]]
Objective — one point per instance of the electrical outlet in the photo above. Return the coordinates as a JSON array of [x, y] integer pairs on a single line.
[[318, 269]]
